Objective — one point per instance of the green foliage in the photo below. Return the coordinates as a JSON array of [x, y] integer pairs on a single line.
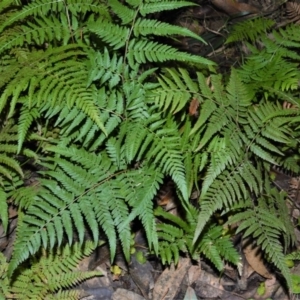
[[177, 235], [250, 30], [49, 273], [240, 129], [86, 92]]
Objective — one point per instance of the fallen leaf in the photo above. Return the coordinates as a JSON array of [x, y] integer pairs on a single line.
[[194, 273], [169, 282], [193, 108], [122, 294], [254, 257]]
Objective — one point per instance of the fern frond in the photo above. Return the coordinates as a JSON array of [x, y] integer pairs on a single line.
[[230, 186], [162, 147], [252, 222], [27, 117], [143, 51], [123, 12], [104, 68], [215, 246], [112, 34], [52, 272], [154, 6], [4, 4], [43, 8], [177, 236], [145, 27], [174, 92], [250, 29], [140, 199]]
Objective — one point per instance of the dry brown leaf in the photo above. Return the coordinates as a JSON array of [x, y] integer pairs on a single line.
[[168, 283], [232, 7], [193, 108], [194, 273], [122, 294], [253, 256]]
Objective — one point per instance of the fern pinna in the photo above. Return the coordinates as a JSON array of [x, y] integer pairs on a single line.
[[87, 87]]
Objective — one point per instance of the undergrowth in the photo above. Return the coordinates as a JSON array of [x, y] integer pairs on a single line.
[[104, 111]]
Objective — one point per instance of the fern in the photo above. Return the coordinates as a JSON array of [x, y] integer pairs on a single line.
[[153, 6], [49, 275], [250, 30], [234, 134], [177, 235], [91, 191], [85, 86], [268, 227]]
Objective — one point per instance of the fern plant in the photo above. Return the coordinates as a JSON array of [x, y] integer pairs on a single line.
[[232, 145], [48, 275], [176, 235], [81, 94], [86, 88]]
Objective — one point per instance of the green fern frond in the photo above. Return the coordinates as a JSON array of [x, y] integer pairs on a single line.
[[252, 222], [52, 272], [39, 33], [216, 247], [9, 164], [154, 6], [174, 91], [162, 147], [43, 8], [83, 187], [177, 236], [27, 117], [104, 68], [143, 51], [144, 183], [250, 30], [230, 186], [126, 14], [4, 4], [145, 27], [222, 155], [112, 34]]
